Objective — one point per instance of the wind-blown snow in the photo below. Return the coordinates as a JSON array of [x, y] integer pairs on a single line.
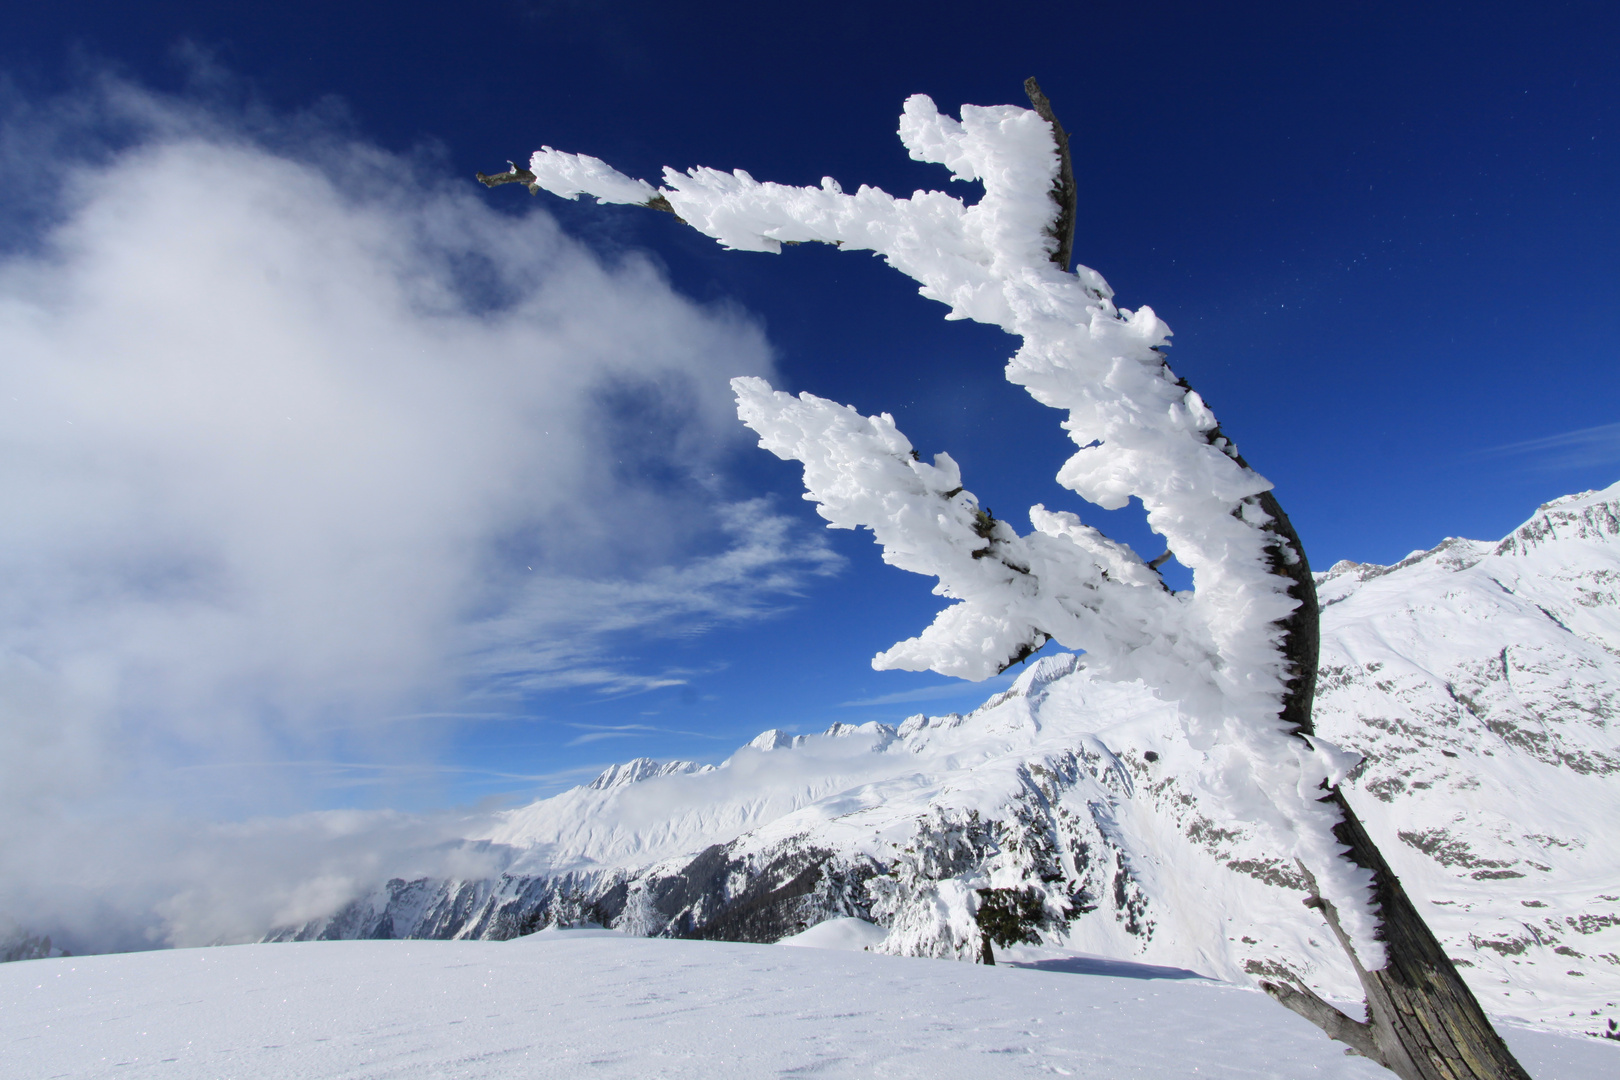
[[1140, 433], [599, 1004]]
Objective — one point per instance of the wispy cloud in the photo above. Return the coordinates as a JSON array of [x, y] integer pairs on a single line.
[[598, 736], [557, 630], [977, 691], [1583, 447], [493, 717], [294, 433], [376, 769], [598, 732]]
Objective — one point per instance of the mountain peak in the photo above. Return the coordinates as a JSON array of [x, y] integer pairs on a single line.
[[1591, 516], [643, 768]]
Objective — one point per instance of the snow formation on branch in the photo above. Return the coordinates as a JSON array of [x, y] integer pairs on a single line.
[[1139, 432], [1065, 580]]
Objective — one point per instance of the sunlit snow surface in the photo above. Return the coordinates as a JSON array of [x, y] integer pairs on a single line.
[[584, 1003], [851, 934], [1481, 680]]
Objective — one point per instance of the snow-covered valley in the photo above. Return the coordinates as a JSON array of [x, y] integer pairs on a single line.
[[1480, 681]]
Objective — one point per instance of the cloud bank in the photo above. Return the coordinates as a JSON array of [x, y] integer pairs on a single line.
[[295, 435]]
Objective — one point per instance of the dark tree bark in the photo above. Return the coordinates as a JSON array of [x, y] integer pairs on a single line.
[[1423, 1021], [1064, 193]]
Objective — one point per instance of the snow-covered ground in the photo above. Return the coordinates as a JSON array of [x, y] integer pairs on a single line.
[[597, 1003]]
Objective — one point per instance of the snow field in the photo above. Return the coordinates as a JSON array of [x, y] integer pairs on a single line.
[[596, 1003]]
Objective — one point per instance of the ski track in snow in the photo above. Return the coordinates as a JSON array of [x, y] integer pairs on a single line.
[[597, 1003]]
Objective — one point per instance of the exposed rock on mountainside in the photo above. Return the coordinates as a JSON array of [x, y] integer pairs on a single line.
[[18, 944], [1481, 682]]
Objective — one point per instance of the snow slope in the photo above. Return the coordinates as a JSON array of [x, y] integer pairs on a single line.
[[577, 1003], [1480, 682]]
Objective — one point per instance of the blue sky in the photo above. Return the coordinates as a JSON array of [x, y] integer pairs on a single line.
[[1385, 238]]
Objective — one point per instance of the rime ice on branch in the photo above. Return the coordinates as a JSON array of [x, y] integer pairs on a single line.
[[1237, 653], [1139, 433]]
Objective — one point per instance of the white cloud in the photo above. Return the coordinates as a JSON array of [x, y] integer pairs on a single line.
[[173, 881], [556, 625], [294, 437], [598, 732], [1580, 448], [953, 689]]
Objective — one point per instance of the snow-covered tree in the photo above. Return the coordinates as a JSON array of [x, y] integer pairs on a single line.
[[1237, 652]]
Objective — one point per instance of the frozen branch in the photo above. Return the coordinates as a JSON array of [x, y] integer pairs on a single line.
[[1238, 653], [512, 175], [1064, 192], [1339, 1027]]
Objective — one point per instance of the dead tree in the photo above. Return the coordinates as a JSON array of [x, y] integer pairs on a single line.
[[1423, 1023]]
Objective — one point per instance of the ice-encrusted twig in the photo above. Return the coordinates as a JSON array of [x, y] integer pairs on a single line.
[[1065, 580]]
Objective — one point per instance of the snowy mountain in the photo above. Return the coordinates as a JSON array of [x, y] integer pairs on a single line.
[[17, 943], [1480, 681]]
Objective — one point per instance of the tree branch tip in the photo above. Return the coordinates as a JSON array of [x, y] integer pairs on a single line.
[[1061, 230], [1355, 1034], [513, 175]]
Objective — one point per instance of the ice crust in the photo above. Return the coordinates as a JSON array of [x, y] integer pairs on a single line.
[[1139, 434]]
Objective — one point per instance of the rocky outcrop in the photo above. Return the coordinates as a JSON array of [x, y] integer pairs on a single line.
[[18, 944]]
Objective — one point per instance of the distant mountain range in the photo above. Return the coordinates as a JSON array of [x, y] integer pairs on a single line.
[[1481, 682]]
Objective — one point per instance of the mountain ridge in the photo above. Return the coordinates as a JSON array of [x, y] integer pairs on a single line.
[[1480, 683]]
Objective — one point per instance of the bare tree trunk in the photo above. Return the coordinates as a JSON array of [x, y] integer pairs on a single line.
[[1423, 1023]]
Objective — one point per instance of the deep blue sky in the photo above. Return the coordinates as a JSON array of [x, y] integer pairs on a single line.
[[1385, 236]]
